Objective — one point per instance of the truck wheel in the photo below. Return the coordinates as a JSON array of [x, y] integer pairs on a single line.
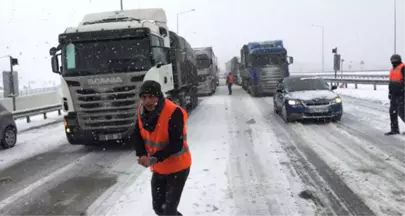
[[9, 138], [253, 92]]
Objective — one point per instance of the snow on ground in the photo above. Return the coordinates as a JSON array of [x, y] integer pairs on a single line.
[[38, 120], [33, 142], [236, 167], [206, 191], [366, 92], [362, 162]]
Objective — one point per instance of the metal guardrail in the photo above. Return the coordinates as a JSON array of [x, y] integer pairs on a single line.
[[28, 92], [371, 79], [27, 113]]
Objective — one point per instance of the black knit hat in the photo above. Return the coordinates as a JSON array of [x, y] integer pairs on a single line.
[[396, 58], [151, 87]]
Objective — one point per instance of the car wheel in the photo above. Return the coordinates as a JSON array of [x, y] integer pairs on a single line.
[[277, 111], [285, 116], [337, 118], [9, 138]]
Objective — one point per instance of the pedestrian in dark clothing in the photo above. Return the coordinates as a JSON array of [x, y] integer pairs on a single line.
[[161, 144], [229, 82], [396, 93]]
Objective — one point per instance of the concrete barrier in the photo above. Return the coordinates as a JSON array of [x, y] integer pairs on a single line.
[[32, 101]]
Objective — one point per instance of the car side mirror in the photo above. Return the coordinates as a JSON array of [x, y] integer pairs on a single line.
[[334, 87]]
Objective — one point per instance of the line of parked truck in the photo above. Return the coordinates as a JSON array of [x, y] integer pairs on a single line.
[[260, 66], [104, 60]]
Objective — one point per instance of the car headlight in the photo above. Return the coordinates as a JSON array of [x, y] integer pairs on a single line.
[[338, 100], [293, 102]]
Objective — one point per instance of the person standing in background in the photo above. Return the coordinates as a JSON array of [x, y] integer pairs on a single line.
[[396, 93], [229, 82]]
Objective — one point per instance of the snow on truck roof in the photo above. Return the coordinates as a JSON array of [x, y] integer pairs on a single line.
[[156, 14], [152, 18]]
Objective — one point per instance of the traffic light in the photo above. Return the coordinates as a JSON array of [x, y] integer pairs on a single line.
[[13, 61], [334, 50]]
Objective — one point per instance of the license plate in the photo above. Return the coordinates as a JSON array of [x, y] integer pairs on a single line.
[[318, 109], [105, 137]]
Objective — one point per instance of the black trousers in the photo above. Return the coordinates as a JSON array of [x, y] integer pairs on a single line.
[[230, 88], [396, 109], [167, 190]]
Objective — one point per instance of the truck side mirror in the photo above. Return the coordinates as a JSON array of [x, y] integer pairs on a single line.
[[52, 51], [55, 64], [290, 59], [163, 31], [159, 64]]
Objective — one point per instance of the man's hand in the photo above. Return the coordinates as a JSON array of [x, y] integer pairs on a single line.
[[144, 161]]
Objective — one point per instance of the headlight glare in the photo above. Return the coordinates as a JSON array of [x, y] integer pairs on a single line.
[[292, 102]]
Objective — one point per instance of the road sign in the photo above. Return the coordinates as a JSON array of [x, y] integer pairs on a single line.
[[7, 84]]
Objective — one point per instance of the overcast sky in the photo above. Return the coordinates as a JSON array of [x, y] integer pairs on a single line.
[[361, 29]]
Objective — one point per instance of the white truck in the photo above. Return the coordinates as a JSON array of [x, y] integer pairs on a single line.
[[207, 68], [104, 61]]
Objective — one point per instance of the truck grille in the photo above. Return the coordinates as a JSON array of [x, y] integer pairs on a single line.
[[269, 77], [112, 108]]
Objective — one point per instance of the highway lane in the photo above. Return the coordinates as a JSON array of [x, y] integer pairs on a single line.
[[346, 168]]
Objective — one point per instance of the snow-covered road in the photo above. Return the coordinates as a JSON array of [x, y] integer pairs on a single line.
[[246, 161]]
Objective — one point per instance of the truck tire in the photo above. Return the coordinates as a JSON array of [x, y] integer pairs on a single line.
[[9, 138]]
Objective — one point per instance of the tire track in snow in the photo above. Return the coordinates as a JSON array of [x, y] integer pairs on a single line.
[[72, 191], [257, 189], [335, 195], [364, 168]]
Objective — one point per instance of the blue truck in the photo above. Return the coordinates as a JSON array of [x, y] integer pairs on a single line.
[[263, 64]]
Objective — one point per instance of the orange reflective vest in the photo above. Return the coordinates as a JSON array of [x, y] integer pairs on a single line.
[[159, 138], [230, 79], [396, 74]]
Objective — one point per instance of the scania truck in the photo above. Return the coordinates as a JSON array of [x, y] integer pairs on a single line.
[[207, 68], [263, 65], [104, 61]]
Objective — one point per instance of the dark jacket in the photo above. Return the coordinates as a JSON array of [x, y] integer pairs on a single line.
[[397, 89], [149, 121]]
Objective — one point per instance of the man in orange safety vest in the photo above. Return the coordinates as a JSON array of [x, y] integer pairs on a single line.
[[161, 143]]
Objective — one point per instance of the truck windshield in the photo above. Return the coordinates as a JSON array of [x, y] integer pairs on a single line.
[[113, 56], [203, 63], [263, 60]]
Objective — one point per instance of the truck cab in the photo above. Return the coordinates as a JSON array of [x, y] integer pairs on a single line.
[[263, 65], [207, 69], [103, 62]]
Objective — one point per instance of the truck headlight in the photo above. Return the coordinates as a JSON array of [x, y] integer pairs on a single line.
[[338, 100]]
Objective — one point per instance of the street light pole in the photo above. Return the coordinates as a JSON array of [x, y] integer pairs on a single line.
[[122, 4], [395, 26], [323, 46], [183, 12]]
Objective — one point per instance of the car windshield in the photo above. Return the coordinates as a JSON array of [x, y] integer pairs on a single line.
[[84, 58], [305, 84]]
